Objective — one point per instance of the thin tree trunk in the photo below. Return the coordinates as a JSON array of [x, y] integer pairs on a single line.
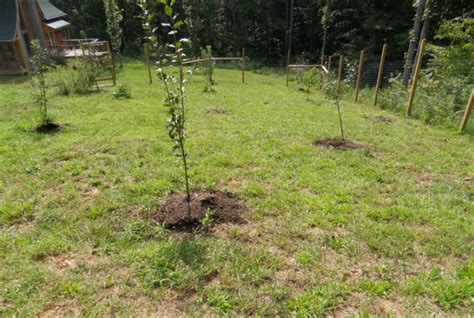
[[426, 23], [414, 41], [290, 33], [323, 50], [286, 29]]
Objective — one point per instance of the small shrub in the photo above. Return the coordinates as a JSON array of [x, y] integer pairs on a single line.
[[123, 92], [311, 79], [208, 220], [78, 77], [299, 73], [208, 69]]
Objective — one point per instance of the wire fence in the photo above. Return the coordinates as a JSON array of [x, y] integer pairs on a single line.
[[441, 94]]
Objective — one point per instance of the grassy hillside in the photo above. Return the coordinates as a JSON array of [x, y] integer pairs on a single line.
[[384, 229]]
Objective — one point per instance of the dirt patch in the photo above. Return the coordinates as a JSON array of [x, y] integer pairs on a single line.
[[384, 119], [225, 208], [48, 128], [217, 111], [338, 144], [67, 308]]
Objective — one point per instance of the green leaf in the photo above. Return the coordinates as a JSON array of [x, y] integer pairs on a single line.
[[168, 11]]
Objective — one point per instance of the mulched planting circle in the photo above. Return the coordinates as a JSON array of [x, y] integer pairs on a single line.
[[384, 119], [49, 128], [216, 111], [338, 144], [226, 207]]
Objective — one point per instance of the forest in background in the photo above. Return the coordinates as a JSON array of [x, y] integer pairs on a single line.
[[261, 26]]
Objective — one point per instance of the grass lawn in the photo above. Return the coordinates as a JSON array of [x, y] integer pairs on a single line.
[[374, 231]]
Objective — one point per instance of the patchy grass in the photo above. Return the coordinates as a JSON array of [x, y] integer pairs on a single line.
[[387, 229]]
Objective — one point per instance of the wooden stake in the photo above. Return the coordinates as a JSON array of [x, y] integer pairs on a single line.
[[380, 75], [359, 74], [421, 52], [147, 62], [111, 56], [210, 70], [243, 65], [468, 111], [339, 78]]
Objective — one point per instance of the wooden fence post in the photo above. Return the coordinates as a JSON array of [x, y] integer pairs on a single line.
[[421, 52], [210, 70], [147, 62], [112, 60], [243, 65], [380, 75], [329, 64], [340, 71], [467, 112], [359, 74]]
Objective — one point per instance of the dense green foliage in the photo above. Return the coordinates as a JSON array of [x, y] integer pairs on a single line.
[[446, 83], [114, 17], [261, 25]]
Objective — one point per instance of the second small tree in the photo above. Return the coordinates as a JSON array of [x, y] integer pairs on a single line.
[[39, 87], [332, 87]]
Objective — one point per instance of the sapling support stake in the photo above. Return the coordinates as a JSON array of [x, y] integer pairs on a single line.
[[419, 62], [338, 91], [467, 112]]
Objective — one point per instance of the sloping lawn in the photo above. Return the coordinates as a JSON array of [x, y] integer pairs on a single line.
[[384, 229]]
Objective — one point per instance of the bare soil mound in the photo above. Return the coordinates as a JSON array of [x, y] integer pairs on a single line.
[[224, 207]]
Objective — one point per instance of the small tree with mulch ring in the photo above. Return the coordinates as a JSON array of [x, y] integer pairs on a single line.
[[201, 207], [39, 87]]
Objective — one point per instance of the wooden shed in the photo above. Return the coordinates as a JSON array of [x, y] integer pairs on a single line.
[[24, 20]]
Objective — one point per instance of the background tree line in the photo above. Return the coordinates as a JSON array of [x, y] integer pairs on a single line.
[[261, 25]]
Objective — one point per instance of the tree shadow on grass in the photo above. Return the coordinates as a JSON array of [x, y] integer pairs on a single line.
[[179, 265]]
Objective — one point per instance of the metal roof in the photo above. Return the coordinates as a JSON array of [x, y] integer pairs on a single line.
[[58, 24], [49, 11], [8, 20]]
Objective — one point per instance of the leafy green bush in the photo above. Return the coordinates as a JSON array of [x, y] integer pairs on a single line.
[[123, 92], [77, 77], [311, 79]]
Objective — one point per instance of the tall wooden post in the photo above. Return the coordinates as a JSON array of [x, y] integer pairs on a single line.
[[421, 52], [112, 60], [243, 65], [290, 36], [210, 70], [147, 62], [467, 112], [380, 75], [359, 74], [341, 72], [329, 64]]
